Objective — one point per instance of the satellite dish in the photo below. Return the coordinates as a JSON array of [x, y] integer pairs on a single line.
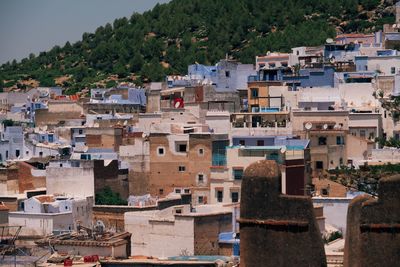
[[325, 126], [329, 40], [45, 128], [125, 123], [177, 104], [308, 126], [100, 227], [336, 127], [283, 150]]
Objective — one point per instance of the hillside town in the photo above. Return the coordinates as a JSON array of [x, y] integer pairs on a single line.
[[183, 172]]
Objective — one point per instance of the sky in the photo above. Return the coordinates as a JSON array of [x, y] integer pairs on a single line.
[[33, 26]]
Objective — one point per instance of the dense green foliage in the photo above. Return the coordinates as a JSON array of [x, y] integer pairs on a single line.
[[171, 36], [364, 179], [391, 142], [327, 238], [108, 197]]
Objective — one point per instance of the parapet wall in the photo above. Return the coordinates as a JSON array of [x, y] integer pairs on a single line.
[[373, 227]]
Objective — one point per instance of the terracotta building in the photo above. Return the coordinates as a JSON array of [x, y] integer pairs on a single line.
[[104, 137], [180, 163]]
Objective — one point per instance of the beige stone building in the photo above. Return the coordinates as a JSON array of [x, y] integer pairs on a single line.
[[327, 131]]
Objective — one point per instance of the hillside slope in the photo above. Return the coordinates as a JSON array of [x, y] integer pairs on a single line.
[[166, 39]]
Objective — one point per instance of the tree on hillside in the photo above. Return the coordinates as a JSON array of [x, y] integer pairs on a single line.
[[184, 31], [1, 84]]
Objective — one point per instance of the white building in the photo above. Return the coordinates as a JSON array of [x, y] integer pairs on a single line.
[[12, 145], [178, 230], [71, 178], [46, 214]]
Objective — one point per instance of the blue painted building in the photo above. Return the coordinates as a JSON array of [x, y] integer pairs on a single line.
[[308, 77], [323, 77], [225, 76]]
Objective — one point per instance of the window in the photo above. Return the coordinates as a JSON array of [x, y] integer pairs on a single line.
[[181, 148], [61, 165], [393, 70], [80, 131], [220, 195], [200, 178], [178, 211], [200, 199], [51, 138], [362, 133], [324, 191], [254, 92], [339, 140], [341, 161], [237, 174], [260, 142], [160, 151], [242, 142], [7, 154], [178, 190], [321, 141], [201, 151], [161, 191], [319, 165], [17, 153], [186, 191], [235, 197], [181, 168], [227, 74]]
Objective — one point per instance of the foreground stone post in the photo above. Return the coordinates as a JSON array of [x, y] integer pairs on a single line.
[[373, 227], [275, 229]]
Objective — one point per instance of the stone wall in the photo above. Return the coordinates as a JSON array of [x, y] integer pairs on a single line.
[[206, 231], [109, 176]]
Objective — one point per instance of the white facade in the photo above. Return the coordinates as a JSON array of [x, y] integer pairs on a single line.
[[166, 233], [41, 224], [70, 180], [12, 145], [44, 214], [385, 65]]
